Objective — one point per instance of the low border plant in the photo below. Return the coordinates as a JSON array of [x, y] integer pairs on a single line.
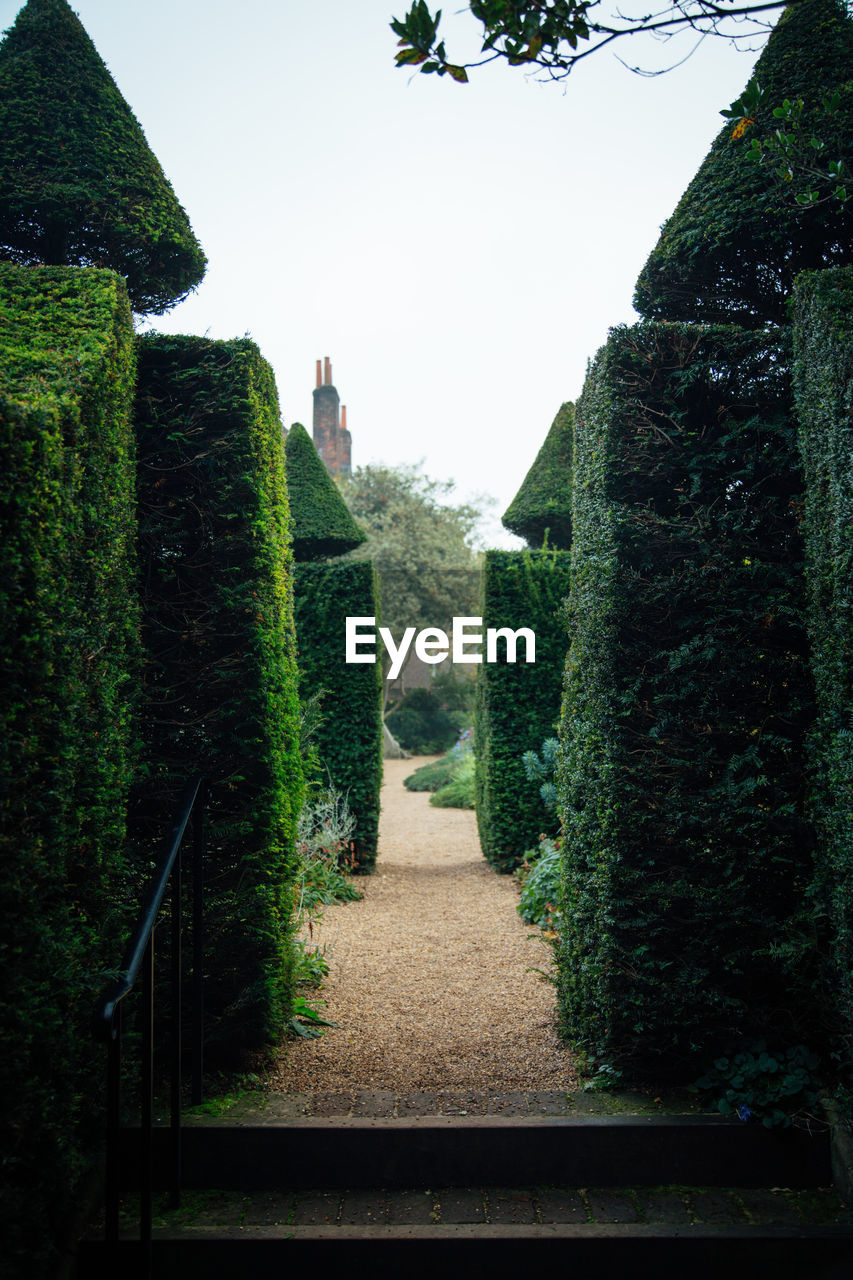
[[324, 843], [459, 790], [764, 1085], [539, 876]]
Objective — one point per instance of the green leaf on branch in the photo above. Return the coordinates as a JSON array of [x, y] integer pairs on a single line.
[[410, 57]]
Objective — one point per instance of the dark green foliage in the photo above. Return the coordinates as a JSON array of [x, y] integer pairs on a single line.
[[78, 183], [540, 875], [823, 375], [69, 653], [349, 737], [322, 524], [543, 505], [421, 724], [736, 241], [518, 705], [760, 1084], [220, 675], [686, 702]]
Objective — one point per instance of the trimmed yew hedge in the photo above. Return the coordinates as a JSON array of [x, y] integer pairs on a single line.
[[542, 508], [823, 375], [349, 739], [738, 238], [518, 704], [220, 693], [69, 650], [687, 699], [322, 523], [78, 182]]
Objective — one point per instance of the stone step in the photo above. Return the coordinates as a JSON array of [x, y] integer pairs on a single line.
[[643, 1252], [465, 1151]]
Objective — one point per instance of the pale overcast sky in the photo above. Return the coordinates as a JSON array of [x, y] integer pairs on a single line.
[[458, 251]]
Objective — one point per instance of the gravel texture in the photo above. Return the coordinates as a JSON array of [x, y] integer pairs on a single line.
[[431, 980]]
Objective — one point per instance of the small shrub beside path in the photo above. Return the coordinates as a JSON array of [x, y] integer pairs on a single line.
[[431, 980]]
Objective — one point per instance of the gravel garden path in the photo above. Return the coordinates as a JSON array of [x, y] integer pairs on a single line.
[[431, 981]]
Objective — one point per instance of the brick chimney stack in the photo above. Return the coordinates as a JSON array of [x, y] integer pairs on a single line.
[[345, 451], [331, 439]]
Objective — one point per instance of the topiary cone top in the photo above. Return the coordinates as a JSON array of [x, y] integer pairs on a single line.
[[544, 501], [79, 185], [322, 523], [737, 238]]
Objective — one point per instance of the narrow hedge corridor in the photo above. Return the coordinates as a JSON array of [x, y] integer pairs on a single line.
[[431, 982]]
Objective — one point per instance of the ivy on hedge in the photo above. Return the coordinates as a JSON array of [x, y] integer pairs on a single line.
[[220, 691], [517, 705], [69, 656], [543, 505], [686, 702], [349, 738], [823, 378]]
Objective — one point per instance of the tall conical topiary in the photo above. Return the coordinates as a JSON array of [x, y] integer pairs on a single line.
[[738, 238], [79, 185], [322, 523], [543, 504]]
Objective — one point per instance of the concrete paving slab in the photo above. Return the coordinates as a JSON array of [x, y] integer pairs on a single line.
[[424, 1103], [557, 1205], [317, 1208], [764, 1207], [460, 1205], [364, 1208], [510, 1206], [664, 1206], [378, 1102], [550, 1103], [716, 1206], [507, 1104], [332, 1104], [611, 1206], [413, 1207], [269, 1208], [463, 1102]]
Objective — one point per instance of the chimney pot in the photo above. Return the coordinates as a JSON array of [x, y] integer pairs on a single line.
[[319, 375], [327, 372]]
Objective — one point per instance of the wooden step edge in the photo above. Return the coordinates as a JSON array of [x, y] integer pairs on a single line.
[[502, 1230], [593, 1252]]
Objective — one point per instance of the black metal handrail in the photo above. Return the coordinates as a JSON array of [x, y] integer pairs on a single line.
[[139, 958]]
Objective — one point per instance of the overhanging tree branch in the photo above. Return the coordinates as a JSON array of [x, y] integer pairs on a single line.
[[554, 35]]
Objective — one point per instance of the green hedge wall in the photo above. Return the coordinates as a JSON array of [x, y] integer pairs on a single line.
[[220, 676], [78, 182], [543, 505], [518, 704], [686, 702], [322, 524], [349, 741], [69, 649], [738, 238], [823, 375]]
